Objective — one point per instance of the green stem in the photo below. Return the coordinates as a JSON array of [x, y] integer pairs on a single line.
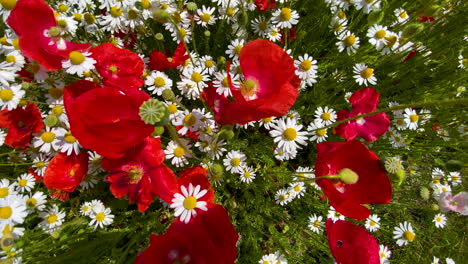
[[7, 153], [398, 107], [37, 102], [17, 164]]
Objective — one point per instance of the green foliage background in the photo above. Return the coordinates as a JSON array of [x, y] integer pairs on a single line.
[[264, 226]]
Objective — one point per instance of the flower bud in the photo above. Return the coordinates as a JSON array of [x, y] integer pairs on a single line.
[[168, 95], [158, 131], [159, 36], [192, 7], [154, 112], [51, 120], [161, 16], [348, 176], [424, 193], [375, 17]]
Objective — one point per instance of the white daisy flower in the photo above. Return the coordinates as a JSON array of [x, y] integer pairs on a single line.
[[285, 17], [85, 209], [440, 220], [325, 115], [52, 218], [367, 5], [88, 182], [190, 121], [177, 154], [221, 83], [281, 154], [455, 178], [67, 23], [288, 135], [449, 261], [440, 189], [274, 34], [334, 215], [260, 26], [297, 189], [247, 174], [364, 75], [10, 96], [373, 223], [462, 62], [25, 182], [182, 33], [114, 20], [12, 210], [133, 19], [78, 63], [316, 223], [194, 80], [40, 163], [208, 64], [157, 82], [36, 201], [391, 44], [384, 253], [283, 197], [186, 203], [348, 41], [234, 161], [16, 59], [401, 15], [7, 189], [205, 17], [68, 143], [316, 132], [404, 233], [377, 34], [58, 110], [411, 118], [306, 67], [7, 73], [47, 140], [101, 217], [267, 122], [235, 48]]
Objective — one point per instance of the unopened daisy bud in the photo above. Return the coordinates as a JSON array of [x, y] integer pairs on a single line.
[[412, 29], [159, 36], [168, 95], [51, 120], [226, 134], [424, 193], [348, 176], [221, 63], [54, 31], [161, 16], [216, 171], [158, 131], [375, 17], [207, 33], [401, 175], [454, 165], [154, 112], [25, 85], [435, 207], [192, 7]]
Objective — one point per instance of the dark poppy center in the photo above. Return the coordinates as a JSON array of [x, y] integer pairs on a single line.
[[339, 243]]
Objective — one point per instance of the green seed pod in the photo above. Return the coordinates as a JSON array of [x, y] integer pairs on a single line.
[[400, 173], [168, 95], [51, 121], [154, 112], [158, 131], [226, 134], [159, 36], [161, 16], [435, 207], [207, 33], [192, 7], [375, 17], [424, 193]]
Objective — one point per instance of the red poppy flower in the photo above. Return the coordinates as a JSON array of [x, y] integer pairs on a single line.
[[425, 19], [65, 172], [104, 119], [370, 128], [210, 238], [159, 61], [269, 89], [21, 123], [351, 244], [141, 174], [410, 55], [372, 186], [118, 67], [264, 5], [39, 36]]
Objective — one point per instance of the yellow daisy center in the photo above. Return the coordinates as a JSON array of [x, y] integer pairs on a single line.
[[367, 73], [380, 34], [197, 77], [306, 65], [4, 192], [63, 8], [5, 212], [372, 223], [40, 164], [289, 134], [100, 217], [297, 188], [230, 11], [172, 108], [247, 174], [414, 118], [182, 32], [190, 120], [22, 182], [349, 40], [132, 14], [438, 219], [57, 110], [69, 138], [8, 4], [238, 49], [317, 223], [285, 14], [342, 15], [146, 4], [403, 15], [263, 25], [282, 197], [190, 202], [159, 82], [31, 202], [408, 235], [209, 63], [6, 95], [48, 137], [115, 11], [205, 17], [267, 120], [10, 59], [326, 116], [52, 218], [179, 152], [235, 162], [225, 82], [391, 40]]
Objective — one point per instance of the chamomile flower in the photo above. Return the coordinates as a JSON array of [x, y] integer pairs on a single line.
[[194, 80], [189, 120], [205, 17], [269, 259], [462, 62], [88, 182], [101, 217], [58, 110], [7, 73], [260, 26], [52, 218], [440, 189], [401, 15], [221, 83], [404, 234], [247, 174], [267, 122], [367, 5], [157, 82], [78, 63], [316, 132], [440, 220], [208, 64], [234, 161], [287, 133], [47, 140], [281, 154], [285, 17], [325, 115], [384, 253], [95, 205], [187, 201], [393, 164], [25, 182], [297, 189], [377, 34], [455, 178], [338, 25], [12, 210], [373, 223], [114, 20], [364, 75], [40, 163], [68, 143], [85, 209], [7, 189], [235, 48], [411, 118], [449, 261], [16, 59], [178, 154], [306, 67], [348, 41], [274, 34], [392, 43], [283, 197], [182, 33], [315, 223], [10, 96], [334, 215]]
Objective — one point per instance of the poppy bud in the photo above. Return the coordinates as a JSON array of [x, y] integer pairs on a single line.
[[348, 176], [375, 17], [424, 193]]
